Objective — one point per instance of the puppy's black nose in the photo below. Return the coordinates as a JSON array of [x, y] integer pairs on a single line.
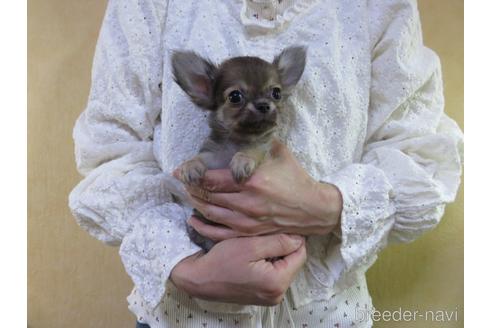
[[262, 107]]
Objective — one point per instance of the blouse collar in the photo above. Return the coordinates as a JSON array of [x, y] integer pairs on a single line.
[[272, 14]]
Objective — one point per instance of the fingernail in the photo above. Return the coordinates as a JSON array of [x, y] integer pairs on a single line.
[[298, 240]]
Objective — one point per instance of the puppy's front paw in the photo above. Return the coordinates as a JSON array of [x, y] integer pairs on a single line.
[[242, 167], [192, 171]]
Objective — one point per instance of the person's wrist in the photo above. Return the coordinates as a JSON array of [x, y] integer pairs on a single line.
[[334, 200], [326, 204], [184, 275]]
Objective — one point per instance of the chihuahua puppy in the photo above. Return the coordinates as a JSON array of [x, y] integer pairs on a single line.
[[244, 96]]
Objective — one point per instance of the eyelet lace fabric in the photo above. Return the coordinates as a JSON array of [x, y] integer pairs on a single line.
[[367, 116], [267, 14]]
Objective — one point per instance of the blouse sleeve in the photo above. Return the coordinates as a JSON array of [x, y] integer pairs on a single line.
[[124, 198], [411, 163]]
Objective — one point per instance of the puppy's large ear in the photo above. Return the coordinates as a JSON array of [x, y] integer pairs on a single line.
[[195, 75], [290, 64]]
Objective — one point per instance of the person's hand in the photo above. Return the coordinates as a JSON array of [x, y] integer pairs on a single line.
[[279, 197], [238, 270]]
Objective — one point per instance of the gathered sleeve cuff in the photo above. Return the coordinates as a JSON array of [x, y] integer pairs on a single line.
[[368, 212], [157, 242]]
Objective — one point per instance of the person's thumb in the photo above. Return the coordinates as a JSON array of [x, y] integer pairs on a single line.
[[277, 149], [276, 245]]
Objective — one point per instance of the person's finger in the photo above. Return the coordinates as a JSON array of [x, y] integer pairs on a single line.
[[276, 245], [215, 233], [234, 220], [243, 202], [200, 193], [291, 263], [215, 213], [248, 203], [177, 174], [278, 149], [220, 181]]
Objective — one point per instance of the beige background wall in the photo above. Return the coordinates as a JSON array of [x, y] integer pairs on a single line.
[[75, 281]]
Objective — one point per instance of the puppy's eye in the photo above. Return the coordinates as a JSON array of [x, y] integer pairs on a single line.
[[235, 97], [276, 93]]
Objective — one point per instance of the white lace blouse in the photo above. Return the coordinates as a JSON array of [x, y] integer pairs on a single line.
[[366, 116]]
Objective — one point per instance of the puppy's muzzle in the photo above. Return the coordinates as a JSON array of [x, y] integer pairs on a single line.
[[263, 107]]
